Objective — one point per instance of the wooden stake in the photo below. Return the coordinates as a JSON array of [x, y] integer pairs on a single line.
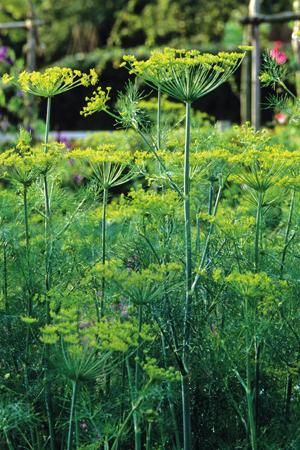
[[31, 40], [254, 6], [245, 95]]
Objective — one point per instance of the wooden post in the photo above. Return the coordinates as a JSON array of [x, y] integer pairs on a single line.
[[254, 7], [30, 102], [31, 39], [245, 96], [296, 45]]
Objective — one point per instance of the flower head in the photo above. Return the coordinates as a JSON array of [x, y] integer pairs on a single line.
[[185, 74], [281, 118], [277, 55], [24, 163], [97, 102], [53, 81]]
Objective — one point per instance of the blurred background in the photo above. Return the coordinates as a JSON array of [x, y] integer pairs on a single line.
[[97, 33]]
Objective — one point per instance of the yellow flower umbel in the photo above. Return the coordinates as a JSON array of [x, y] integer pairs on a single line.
[[24, 164], [49, 83], [185, 74], [97, 102], [53, 81]]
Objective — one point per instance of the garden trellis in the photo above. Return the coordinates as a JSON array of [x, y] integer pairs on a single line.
[[31, 25], [253, 21]]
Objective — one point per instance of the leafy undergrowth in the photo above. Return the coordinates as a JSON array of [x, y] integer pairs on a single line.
[[94, 350]]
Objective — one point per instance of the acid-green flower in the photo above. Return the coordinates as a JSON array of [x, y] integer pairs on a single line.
[[185, 74], [53, 81], [97, 102]]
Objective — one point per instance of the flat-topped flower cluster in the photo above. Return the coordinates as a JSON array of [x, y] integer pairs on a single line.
[[53, 81], [184, 74]]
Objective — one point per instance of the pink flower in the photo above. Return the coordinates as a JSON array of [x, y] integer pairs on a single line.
[[276, 54], [281, 118]]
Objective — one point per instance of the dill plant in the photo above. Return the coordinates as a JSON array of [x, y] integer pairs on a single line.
[[53, 81], [118, 324], [109, 171], [185, 76]]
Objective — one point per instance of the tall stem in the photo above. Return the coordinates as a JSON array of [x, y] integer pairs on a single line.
[[27, 245], [137, 376], [103, 243], [170, 399], [288, 396], [148, 437], [188, 287], [134, 404], [8, 441], [258, 231], [287, 233], [48, 270], [48, 236], [249, 382], [253, 385], [210, 208], [72, 409], [5, 280], [28, 281], [158, 118], [207, 241]]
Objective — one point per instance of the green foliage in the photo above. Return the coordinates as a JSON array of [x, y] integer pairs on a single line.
[[92, 283]]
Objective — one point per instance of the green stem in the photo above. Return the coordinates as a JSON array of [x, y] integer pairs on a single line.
[[258, 232], [210, 209], [161, 163], [123, 388], [48, 270], [152, 147], [137, 376], [287, 233], [249, 383], [48, 115], [8, 441], [251, 419], [25, 203], [132, 411], [72, 409], [134, 402], [257, 366], [207, 241], [49, 409], [48, 236], [158, 118], [148, 437], [282, 84], [5, 281], [169, 397], [103, 243], [28, 282], [27, 245], [288, 396], [188, 287]]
